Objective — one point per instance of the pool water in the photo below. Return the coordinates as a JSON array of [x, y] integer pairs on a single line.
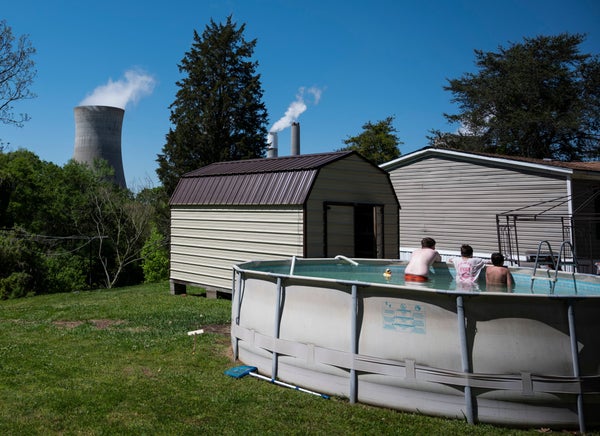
[[441, 278]]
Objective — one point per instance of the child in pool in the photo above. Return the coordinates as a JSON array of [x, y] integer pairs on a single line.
[[497, 276], [467, 269], [417, 269]]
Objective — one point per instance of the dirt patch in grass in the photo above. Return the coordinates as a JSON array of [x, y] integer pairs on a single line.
[[224, 332], [100, 324], [68, 324], [229, 352], [220, 329]]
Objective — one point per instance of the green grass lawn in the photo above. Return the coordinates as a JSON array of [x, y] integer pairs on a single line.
[[120, 362]]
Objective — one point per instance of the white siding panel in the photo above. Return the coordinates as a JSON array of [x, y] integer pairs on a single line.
[[207, 241], [212, 281], [216, 226], [456, 202], [249, 249], [215, 237], [281, 214]]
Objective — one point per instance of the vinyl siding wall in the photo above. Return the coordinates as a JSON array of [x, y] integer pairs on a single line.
[[351, 180], [456, 202], [207, 241]]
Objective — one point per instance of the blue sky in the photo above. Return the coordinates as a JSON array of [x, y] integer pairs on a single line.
[[367, 59]]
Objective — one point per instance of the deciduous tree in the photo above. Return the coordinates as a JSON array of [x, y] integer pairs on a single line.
[[378, 141], [539, 99], [63, 227], [16, 74], [121, 225]]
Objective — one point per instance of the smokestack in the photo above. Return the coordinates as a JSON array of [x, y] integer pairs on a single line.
[[98, 136], [295, 148], [272, 150]]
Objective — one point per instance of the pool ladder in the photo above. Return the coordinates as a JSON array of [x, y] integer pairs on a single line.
[[556, 263]]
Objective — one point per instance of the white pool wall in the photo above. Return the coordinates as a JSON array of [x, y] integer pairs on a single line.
[[509, 363]]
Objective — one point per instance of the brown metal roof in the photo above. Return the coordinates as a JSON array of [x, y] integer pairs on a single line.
[[574, 165], [273, 181], [285, 163]]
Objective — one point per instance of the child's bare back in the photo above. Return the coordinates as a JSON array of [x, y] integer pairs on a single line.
[[497, 273]]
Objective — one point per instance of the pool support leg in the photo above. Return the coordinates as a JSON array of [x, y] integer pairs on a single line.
[[464, 356], [353, 344], [575, 358], [236, 299], [277, 327]]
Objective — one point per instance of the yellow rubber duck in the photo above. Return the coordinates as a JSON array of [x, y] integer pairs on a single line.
[[387, 274]]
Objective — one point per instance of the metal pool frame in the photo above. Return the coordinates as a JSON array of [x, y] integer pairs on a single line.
[[509, 359]]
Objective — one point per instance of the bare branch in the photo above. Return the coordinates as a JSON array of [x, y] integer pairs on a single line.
[[16, 74]]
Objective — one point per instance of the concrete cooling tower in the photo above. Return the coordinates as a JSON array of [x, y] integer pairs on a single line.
[[98, 136]]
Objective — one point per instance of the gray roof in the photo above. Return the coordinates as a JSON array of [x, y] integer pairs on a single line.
[[545, 165], [271, 181]]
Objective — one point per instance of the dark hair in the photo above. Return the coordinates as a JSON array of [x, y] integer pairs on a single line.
[[427, 243], [466, 250], [497, 259]]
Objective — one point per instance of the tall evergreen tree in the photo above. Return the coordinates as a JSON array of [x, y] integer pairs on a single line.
[[539, 99], [218, 113]]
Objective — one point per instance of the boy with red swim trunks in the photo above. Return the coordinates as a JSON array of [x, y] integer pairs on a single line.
[[421, 259]]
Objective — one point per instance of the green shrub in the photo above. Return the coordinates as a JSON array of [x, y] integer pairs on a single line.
[[155, 256], [22, 266], [10, 253], [66, 273], [16, 285]]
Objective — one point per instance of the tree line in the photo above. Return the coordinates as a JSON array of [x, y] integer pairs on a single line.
[[68, 228], [539, 98]]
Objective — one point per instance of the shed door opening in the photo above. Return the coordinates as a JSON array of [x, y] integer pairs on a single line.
[[365, 232], [353, 230]]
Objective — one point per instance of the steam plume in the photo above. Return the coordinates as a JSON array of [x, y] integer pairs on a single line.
[[296, 108], [130, 89]]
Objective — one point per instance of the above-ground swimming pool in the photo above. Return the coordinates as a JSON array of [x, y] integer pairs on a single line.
[[524, 358]]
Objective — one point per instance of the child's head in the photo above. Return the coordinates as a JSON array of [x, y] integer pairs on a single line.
[[466, 250], [427, 243], [497, 259]]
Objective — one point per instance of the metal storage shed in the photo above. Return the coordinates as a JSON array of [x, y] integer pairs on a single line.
[[312, 205]]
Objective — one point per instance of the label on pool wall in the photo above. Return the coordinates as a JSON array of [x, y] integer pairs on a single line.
[[404, 317]]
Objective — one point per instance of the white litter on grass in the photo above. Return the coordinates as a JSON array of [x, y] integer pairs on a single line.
[[194, 333]]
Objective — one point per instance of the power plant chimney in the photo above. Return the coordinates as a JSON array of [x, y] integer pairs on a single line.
[[295, 147], [272, 150], [98, 136]]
